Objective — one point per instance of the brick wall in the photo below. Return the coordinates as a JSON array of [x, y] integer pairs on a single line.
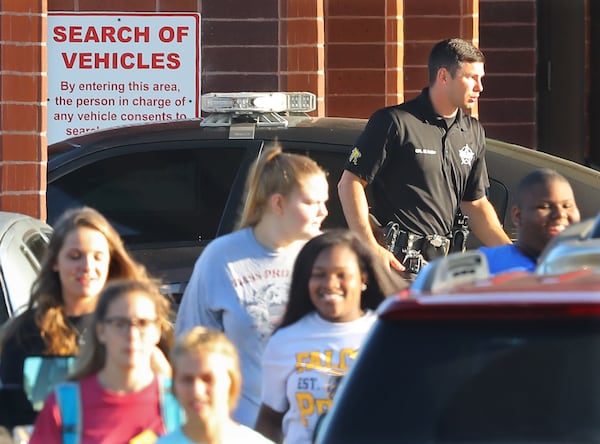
[[508, 36], [240, 45], [125, 5], [23, 107], [427, 22], [364, 55], [302, 48]]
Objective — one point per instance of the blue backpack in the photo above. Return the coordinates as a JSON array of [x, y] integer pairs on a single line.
[[69, 404]]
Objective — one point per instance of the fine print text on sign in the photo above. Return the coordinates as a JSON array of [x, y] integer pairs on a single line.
[[121, 69]]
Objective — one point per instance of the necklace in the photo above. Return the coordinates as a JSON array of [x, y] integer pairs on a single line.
[[80, 334], [81, 338]]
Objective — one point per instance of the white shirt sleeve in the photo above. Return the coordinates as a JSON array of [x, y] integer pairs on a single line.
[[276, 370]]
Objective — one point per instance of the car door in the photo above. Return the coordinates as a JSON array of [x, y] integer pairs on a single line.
[[167, 200]]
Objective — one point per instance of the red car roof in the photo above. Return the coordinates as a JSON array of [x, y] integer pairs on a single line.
[[513, 295]]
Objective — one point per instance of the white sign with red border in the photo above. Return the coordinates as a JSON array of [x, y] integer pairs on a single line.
[[111, 69]]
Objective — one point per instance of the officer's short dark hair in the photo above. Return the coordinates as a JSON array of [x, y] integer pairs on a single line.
[[450, 54]]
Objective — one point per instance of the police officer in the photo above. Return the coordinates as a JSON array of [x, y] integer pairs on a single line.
[[425, 159]]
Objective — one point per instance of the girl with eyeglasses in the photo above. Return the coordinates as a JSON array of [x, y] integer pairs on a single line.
[[119, 394]]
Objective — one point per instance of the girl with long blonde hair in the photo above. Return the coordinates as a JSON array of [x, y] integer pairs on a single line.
[[240, 283]]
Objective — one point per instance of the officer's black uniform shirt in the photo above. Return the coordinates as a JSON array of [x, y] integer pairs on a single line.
[[419, 170]]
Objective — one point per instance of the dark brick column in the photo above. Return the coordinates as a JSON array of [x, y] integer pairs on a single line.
[[23, 107]]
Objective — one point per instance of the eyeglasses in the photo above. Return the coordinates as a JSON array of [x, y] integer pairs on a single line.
[[123, 324]]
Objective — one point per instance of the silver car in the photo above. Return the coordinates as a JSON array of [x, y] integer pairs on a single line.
[[23, 243]]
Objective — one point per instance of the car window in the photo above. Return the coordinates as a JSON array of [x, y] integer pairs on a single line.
[[500, 381], [37, 245], [332, 159], [498, 195], [154, 196]]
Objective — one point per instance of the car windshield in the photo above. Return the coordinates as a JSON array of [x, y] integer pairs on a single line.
[[456, 381]]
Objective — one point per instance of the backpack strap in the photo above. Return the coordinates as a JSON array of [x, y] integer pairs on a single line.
[[69, 404], [172, 414]]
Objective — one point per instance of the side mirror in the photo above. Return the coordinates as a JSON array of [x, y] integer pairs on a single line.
[[41, 374]]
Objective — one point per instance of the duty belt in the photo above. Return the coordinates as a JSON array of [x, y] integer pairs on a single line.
[[412, 249]]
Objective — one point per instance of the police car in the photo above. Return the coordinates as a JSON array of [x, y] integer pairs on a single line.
[[170, 188]]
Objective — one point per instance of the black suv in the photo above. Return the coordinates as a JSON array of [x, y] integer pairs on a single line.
[[170, 188]]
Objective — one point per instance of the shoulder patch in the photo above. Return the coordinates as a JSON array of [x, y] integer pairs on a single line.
[[355, 154]]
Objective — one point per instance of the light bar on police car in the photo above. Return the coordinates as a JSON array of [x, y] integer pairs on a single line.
[[258, 102]]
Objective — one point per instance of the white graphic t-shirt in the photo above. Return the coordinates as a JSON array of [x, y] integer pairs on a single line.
[[241, 288], [302, 366]]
